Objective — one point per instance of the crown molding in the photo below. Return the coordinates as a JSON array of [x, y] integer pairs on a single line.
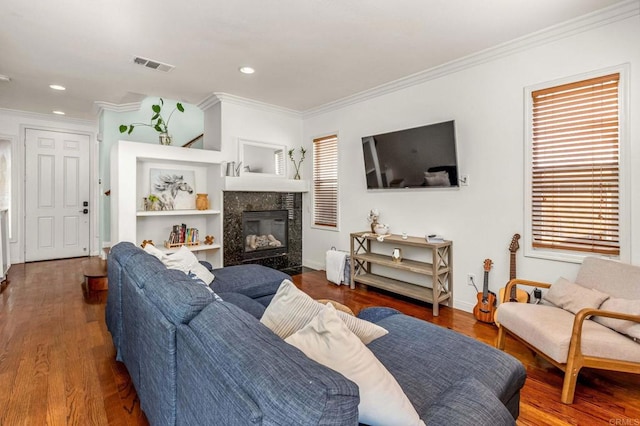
[[606, 16], [99, 106], [219, 97], [47, 117]]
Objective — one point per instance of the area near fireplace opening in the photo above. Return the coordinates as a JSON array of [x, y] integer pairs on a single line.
[[265, 233], [235, 240]]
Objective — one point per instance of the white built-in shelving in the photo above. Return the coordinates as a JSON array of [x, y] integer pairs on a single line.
[[130, 167]]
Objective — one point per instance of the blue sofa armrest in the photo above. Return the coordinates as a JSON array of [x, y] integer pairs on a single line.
[[233, 369], [468, 403]]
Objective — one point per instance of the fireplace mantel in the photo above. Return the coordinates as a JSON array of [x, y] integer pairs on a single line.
[[264, 184]]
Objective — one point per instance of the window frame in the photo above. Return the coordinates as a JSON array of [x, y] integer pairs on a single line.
[[313, 181], [623, 178]]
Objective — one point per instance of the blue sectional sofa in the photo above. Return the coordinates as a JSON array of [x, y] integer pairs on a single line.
[[197, 360]]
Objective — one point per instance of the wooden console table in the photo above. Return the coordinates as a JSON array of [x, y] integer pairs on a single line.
[[440, 267]]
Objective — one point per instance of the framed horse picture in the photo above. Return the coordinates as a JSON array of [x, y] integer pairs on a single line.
[[175, 189]]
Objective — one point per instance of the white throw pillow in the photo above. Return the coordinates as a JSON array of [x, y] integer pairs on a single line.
[[573, 297], [184, 260], [154, 251], [291, 309], [624, 306], [328, 341]]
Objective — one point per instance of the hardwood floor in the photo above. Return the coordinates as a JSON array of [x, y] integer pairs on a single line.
[[57, 362]]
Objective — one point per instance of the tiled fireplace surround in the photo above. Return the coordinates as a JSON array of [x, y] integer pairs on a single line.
[[235, 202]]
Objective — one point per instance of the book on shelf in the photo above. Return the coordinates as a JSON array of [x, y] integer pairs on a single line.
[[180, 234]]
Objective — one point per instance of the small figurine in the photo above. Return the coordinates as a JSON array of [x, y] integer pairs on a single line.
[[208, 239], [145, 242]]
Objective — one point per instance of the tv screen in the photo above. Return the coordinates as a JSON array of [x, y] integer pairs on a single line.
[[421, 157]]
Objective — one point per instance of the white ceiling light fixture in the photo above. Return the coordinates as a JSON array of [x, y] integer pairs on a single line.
[[58, 112], [4, 77], [57, 87], [247, 70]]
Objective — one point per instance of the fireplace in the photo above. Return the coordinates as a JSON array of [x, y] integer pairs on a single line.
[[236, 203], [265, 234]]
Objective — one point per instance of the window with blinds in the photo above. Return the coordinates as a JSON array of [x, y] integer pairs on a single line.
[[575, 167], [325, 181]]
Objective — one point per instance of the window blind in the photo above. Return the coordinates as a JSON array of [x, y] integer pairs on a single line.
[[325, 181], [575, 166]]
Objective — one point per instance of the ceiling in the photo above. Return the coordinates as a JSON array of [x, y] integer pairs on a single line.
[[306, 52]]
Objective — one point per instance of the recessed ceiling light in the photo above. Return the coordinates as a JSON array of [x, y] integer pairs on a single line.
[[247, 70], [58, 112], [57, 87], [4, 77]]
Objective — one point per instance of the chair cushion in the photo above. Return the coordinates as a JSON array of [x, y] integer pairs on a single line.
[[548, 329], [608, 276]]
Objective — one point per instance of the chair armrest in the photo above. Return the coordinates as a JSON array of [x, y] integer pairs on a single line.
[[575, 347], [518, 281], [587, 312]]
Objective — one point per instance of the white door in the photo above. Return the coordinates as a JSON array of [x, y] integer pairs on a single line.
[[56, 195]]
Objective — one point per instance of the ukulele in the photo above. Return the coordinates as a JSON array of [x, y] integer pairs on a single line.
[[515, 295], [485, 308]]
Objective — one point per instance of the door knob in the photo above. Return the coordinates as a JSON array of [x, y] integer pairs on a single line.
[[85, 211]]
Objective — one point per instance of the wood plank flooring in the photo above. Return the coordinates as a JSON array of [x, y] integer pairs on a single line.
[[57, 361]]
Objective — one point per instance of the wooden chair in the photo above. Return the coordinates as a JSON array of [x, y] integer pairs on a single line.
[[570, 341]]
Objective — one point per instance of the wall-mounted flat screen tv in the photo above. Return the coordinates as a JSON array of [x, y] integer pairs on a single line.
[[421, 157]]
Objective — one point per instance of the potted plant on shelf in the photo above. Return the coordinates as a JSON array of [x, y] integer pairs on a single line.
[[157, 122]]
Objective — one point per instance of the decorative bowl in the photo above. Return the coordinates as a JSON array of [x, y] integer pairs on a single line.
[[381, 229]]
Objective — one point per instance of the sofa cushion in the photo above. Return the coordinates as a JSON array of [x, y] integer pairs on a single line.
[[237, 355], [327, 340], [446, 356], [291, 309], [468, 403], [255, 281], [624, 306], [244, 302], [176, 296], [572, 297], [549, 329]]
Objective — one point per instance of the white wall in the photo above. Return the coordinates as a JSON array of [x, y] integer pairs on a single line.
[[486, 101], [12, 126], [239, 118]]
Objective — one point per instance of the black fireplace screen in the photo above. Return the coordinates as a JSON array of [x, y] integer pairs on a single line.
[[265, 233]]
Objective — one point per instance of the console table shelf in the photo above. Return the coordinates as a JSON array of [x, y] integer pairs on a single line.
[[439, 268]]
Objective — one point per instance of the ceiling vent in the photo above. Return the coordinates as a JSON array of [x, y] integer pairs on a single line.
[[150, 63]]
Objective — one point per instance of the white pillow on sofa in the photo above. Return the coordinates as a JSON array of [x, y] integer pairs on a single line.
[[184, 260], [291, 309], [327, 340]]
